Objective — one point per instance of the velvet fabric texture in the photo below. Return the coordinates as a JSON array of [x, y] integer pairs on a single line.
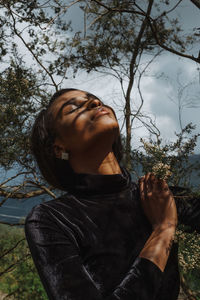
[[86, 243]]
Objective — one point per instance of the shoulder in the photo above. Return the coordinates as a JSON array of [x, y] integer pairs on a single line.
[[42, 210], [65, 207]]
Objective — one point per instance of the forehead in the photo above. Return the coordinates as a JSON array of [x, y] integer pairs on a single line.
[[68, 96], [64, 98]]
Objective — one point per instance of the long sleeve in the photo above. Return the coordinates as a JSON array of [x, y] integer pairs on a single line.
[[57, 257], [188, 209]]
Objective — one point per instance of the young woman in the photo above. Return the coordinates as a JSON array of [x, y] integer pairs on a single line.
[[107, 237]]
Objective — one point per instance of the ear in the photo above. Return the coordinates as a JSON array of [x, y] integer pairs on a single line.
[[58, 149]]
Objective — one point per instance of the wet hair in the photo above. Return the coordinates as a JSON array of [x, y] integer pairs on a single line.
[[57, 172]]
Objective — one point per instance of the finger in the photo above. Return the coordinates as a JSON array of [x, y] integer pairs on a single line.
[[161, 183], [151, 181], [141, 179], [164, 185], [154, 177], [146, 177], [142, 190]]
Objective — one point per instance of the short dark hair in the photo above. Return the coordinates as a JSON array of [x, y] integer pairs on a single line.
[[57, 172]]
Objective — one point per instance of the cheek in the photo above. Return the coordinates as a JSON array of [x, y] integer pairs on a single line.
[[75, 129], [82, 131]]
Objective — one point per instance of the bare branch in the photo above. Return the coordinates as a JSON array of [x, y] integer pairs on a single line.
[[152, 24], [11, 249], [114, 9], [97, 19], [13, 177], [30, 50], [196, 2], [170, 10], [9, 194], [154, 30], [152, 128], [18, 195], [139, 80], [60, 12], [44, 188], [13, 266]]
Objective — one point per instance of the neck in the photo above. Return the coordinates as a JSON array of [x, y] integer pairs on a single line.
[[92, 163]]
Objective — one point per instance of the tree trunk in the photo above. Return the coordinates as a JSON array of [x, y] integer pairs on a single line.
[[132, 70], [128, 135]]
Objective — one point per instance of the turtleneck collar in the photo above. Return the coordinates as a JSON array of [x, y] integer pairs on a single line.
[[92, 184]]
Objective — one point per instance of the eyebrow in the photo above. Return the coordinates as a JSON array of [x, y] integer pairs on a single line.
[[73, 100]]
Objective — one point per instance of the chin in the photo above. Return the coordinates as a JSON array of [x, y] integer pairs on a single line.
[[107, 134], [107, 122], [100, 139]]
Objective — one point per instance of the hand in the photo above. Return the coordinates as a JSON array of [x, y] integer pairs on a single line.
[[157, 201]]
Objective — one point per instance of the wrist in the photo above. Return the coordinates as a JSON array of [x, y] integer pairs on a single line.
[[158, 246], [164, 226]]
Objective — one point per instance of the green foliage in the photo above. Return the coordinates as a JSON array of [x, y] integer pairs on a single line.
[[189, 259], [193, 279], [173, 156], [161, 158], [121, 39], [113, 41], [18, 86], [26, 75], [20, 277]]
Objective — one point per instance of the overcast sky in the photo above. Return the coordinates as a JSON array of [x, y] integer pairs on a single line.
[[160, 94]]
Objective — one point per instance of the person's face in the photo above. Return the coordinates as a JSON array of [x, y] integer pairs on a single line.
[[82, 120]]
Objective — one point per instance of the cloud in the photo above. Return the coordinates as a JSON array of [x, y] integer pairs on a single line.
[[157, 87]]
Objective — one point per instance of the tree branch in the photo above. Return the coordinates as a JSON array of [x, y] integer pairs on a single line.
[[19, 195], [170, 10], [15, 246], [44, 188], [13, 177], [11, 267], [152, 24], [60, 12], [131, 81], [30, 50], [118, 10], [138, 86], [196, 3], [150, 20]]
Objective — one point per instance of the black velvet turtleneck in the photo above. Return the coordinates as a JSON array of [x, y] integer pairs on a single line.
[[86, 243]]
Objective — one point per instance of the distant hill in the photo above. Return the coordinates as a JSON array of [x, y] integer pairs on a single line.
[[195, 176], [195, 179]]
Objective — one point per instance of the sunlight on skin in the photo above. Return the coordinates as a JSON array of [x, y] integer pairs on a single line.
[[84, 118]]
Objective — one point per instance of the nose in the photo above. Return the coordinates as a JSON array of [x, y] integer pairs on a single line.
[[93, 103]]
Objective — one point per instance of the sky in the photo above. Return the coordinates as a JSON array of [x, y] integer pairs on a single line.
[[159, 87]]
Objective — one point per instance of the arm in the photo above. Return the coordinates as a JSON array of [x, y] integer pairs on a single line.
[[159, 207], [157, 247], [57, 258]]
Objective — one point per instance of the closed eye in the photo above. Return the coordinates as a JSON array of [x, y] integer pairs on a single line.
[[73, 107]]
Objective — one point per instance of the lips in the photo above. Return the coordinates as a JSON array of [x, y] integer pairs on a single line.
[[99, 112]]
